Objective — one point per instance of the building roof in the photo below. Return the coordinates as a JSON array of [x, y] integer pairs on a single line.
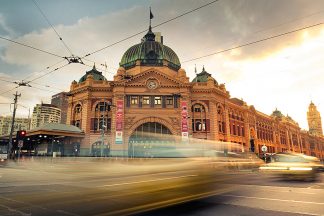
[[277, 113], [58, 127], [150, 52], [97, 75], [203, 77]]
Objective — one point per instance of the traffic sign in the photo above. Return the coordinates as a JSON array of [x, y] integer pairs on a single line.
[[20, 143], [264, 148]]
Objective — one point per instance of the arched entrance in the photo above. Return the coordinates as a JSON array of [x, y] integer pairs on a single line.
[[148, 139]]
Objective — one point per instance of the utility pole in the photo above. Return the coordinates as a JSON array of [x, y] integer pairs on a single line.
[[9, 147]]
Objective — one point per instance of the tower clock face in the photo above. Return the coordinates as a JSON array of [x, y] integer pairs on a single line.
[[152, 84], [313, 123]]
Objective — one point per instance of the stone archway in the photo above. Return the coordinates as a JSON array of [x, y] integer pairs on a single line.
[[153, 119], [148, 138]]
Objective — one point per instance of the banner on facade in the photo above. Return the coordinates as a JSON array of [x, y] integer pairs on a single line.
[[184, 121], [119, 122]]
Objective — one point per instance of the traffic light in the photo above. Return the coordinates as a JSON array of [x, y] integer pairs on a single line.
[[21, 134]]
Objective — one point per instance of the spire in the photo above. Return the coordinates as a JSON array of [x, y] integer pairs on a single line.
[[195, 69], [150, 36], [94, 66], [203, 70]]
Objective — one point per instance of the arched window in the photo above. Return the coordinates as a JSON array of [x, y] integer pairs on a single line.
[[198, 126], [102, 117], [221, 119], [199, 118], [78, 108], [198, 108], [77, 116], [77, 123], [103, 106]]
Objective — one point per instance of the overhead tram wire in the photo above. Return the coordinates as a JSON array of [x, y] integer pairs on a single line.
[[98, 64], [255, 42], [66, 58], [29, 46], [43, 89], [47, 86], [49, 23], [5, 80], [110, 72], [49, 72], [48, 67], [2, 93], [162, 23]]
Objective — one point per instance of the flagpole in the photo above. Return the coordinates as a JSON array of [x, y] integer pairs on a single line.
[[150, 16]]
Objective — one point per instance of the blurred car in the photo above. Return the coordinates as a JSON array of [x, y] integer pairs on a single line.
[[293, 166], [3, 153]]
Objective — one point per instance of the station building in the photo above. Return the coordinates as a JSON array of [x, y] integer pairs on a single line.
[[150, 92]]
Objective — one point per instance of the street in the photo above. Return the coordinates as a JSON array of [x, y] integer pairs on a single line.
[[256, 194], [89, 186]]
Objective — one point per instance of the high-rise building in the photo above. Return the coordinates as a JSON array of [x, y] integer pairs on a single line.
[[314, 120], [45, 113], [60, 100], [20, 124]]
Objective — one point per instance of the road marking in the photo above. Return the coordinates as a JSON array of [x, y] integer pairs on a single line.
[[278, 189], [153, 180], [67, 213], [15, 210], [273, 199]]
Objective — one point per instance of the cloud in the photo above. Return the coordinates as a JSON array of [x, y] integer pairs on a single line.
[[222, 25], [5, 30]]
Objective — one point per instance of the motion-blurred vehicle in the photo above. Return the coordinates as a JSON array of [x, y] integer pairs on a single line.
[[3, 153], [293, 166], [187, 171]]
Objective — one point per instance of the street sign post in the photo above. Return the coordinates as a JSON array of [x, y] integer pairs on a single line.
[[20, 143], [264, 149]]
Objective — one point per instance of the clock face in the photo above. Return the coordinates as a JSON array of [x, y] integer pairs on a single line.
[[152, 84]]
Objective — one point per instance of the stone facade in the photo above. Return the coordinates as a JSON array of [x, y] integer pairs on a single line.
[[152, 92]]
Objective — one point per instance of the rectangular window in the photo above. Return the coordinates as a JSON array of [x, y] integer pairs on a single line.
[[146, 100], [134, 100], [157, 100], [169, 101]]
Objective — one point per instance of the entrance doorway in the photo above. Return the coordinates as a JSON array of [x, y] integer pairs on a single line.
[[148, 139]]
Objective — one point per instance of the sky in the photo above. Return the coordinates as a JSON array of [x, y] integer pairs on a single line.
[[285, 72]]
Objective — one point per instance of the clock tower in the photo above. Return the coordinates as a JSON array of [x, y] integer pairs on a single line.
[[314, 120]]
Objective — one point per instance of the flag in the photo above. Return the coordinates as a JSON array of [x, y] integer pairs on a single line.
[[151, 15]]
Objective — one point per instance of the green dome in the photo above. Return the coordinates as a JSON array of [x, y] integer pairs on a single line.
[[150, 52], [203, 76], [277, 113], [96, 75]]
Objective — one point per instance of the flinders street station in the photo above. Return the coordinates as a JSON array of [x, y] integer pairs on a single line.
[[151, 102]]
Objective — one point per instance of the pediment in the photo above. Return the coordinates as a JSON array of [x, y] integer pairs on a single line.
[[161, 79]]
